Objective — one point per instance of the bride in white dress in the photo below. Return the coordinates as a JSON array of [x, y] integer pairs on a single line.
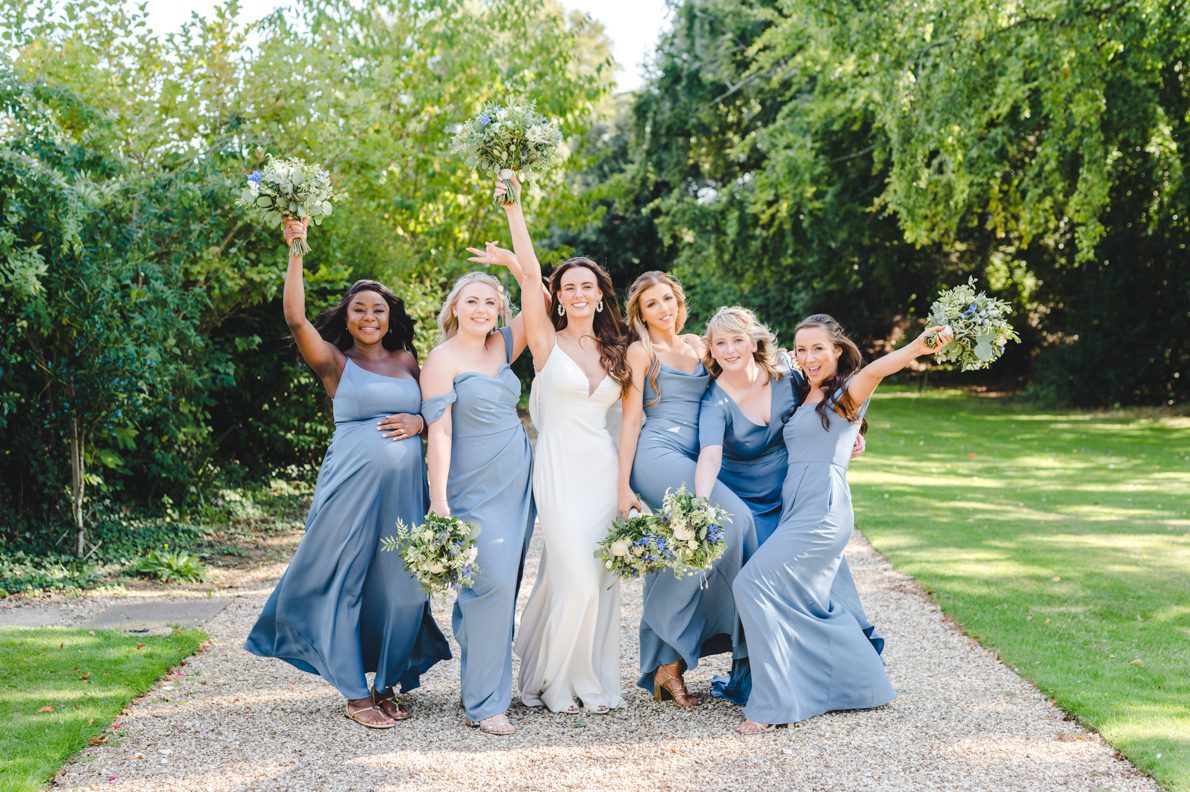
[[569, 637]]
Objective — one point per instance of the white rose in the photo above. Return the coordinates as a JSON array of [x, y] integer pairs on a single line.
[[620, 548], [427, 536], [693, 545], [608, 565], [437, 568], [683, 533]]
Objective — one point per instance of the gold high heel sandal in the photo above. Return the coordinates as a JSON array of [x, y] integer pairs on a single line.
[[672, 686]]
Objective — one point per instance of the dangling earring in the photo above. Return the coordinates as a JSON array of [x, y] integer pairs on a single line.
[[561, 310], [599, 307]]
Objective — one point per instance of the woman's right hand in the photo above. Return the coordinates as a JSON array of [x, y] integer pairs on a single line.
[[440, 508], [629, 501], [295, 229]]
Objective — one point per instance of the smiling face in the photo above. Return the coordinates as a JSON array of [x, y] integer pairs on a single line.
[[732, 350], [817, 356], [477, 308], [659, 307], [579, 292], [367, 317]]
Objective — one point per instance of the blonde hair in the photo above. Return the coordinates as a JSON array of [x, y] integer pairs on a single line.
[[734, 319], [640, 329], [448, 323]]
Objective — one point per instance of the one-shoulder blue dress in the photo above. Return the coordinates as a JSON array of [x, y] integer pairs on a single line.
[[808, 654], [682, 620], [343, 607], [490, 484], [754, 466]]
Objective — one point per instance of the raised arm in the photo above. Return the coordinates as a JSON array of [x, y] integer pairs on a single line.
[[632, 406], [321, 355], [539, 331], [437, 380], [863, 383]]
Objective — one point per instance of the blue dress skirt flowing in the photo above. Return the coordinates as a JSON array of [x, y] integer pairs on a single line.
[[344, 608], [490, 484], [682, 620], [808, 654]]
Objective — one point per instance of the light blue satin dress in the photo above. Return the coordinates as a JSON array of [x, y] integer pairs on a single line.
[[808, 654], [343, 608], [682, 620], [490, 483], [754, 466]]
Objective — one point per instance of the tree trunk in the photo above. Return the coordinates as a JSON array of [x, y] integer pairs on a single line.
[[76, 486]]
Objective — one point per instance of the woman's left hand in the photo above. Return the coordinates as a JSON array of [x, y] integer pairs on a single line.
[[940, 335], [494, 255], [860, 446], [401, 426]]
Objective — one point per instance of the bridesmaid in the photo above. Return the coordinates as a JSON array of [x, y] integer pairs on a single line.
[[569, 638], [808, 654], [753, 393], [682, 621], [342, 608], [480, 467]]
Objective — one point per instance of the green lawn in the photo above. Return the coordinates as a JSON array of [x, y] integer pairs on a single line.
[[87, 677], [1057, 539]]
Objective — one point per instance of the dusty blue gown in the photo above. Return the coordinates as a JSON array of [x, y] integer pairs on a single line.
[[681, 620], [344, 608], [490, 483], [754, 466], [808, 654]]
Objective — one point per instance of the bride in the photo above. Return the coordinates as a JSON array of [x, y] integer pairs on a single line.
[[569, 640]]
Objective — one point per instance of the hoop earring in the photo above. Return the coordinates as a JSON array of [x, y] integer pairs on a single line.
[[599, 307], [561, 310]]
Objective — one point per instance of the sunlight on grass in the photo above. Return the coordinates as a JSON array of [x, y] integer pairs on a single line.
[[1059, 540], [64, 687]]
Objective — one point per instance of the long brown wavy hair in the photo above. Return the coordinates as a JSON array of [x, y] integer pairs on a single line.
[[849, 362], [610, 330], [636, 319]]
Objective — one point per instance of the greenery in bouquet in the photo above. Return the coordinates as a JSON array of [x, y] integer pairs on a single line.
[[290, 188], [440, 553], [509, 138], [692, 528], [980, 324], [633, 547]]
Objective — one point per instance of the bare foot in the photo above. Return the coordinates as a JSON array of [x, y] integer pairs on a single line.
[[752, 727]]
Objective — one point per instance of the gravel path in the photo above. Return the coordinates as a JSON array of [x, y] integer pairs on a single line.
[[961, 720]]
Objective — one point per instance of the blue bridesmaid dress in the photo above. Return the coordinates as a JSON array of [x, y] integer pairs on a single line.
[[343, 608], [808, 654], [754, 466], [490, 484], [682, 620]]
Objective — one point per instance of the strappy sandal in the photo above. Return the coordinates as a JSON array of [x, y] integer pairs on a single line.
[[752, 727], [354, 715], [573, 709], [602, 709], [499, 725], [672, 686], [391, 697]]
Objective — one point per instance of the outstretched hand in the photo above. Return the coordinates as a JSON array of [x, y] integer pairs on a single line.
[[934, 339], [295, 229], [494, 255]]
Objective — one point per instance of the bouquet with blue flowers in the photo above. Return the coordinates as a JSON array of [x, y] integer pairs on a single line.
[[506, 139], [290, 188], [440, 553], [692, 528], [980, 324], [633, 547]]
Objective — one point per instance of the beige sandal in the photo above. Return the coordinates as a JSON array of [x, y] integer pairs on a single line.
[[391, 697], [497, 724], [354, 715], [752, 727]]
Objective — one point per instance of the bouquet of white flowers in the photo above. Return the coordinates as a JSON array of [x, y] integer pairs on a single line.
[[633, 547], [980, 325], [692, 528], [440, 552], [290, 188], [507, 139]]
